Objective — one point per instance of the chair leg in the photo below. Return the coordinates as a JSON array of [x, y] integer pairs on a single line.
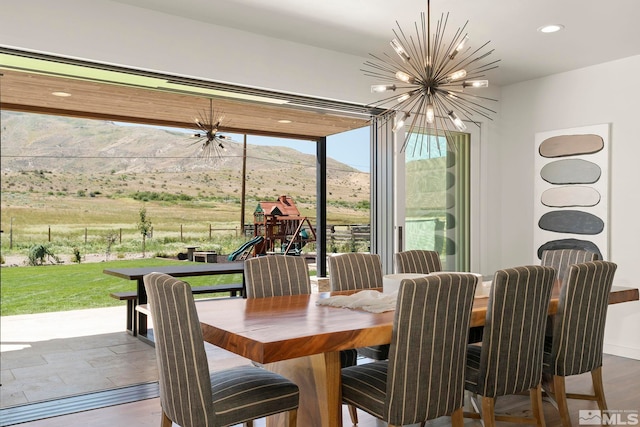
[[488, 412], [596, 377], [457, 418], [536, 405], [293, 418], [561, 400], [165, 421], [353, 413]]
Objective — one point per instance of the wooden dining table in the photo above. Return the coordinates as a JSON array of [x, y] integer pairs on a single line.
[[301, 340]]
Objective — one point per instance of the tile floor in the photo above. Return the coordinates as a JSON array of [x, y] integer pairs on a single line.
[[53, 355]]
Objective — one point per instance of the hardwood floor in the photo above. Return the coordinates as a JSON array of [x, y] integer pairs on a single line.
[[621, 382]]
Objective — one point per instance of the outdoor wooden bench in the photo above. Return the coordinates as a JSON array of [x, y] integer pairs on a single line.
[[234, 290]]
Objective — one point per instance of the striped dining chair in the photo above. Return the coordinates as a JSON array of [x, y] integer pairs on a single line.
[[509, 361], [418, 261], [424, 376], [561, 259], [277, 275], [190, 395], [355, 271], [578, 334]]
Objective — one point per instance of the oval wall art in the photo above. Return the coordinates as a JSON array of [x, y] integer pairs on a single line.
[[569, 196], [571, 221], [569, 244], [571, 171], [571, 145]]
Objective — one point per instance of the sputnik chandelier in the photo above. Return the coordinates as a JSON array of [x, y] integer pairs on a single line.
[[212, 142], [430, 80]]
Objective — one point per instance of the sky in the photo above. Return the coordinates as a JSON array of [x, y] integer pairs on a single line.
[[350, 148]]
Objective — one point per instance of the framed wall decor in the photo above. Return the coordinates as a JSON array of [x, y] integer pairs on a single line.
[[571, 190]]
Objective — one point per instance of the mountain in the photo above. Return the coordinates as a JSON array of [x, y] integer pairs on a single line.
[[63, 144]]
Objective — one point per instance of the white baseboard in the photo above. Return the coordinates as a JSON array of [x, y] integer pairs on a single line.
[[617, 350]]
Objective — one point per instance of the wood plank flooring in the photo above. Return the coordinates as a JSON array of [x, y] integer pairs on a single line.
[[621, 382]]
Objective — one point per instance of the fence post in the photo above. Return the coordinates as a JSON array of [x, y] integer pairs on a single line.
[[120, 236], [49, 234], [181, 232], [85, 235], [210, 231], [11, 234]]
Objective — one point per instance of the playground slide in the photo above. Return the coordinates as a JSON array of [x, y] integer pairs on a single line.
[[235, 254]]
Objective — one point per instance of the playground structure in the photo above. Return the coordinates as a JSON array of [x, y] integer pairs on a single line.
[[243, 251], [282, 228]]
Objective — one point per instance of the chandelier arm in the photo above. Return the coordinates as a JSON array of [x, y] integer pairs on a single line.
[[466, 108], [455, 39], [423, 42], [469, 97], [469, 59], [467, 101], [439, 60], [464, 62], [415, 117]]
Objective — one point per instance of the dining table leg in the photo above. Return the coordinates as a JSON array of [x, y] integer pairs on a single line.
[[318, 377]]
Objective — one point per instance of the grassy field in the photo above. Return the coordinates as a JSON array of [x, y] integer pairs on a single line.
[[49, 288]]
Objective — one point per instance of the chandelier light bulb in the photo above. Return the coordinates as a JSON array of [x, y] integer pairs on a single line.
[[400, 122], [382, 88], [404, 97], [430, 113], [402, 53], [460, 74], [457, 122], [459, 47], [476, 83], [407, 78]]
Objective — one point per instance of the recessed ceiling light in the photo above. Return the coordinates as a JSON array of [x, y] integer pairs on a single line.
[[552, 28], [284, 121], [63, 94]]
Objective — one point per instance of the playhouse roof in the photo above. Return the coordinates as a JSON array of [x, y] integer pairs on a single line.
[[284, 206]]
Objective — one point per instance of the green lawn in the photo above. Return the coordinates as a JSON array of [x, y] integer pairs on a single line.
[[26, 290]]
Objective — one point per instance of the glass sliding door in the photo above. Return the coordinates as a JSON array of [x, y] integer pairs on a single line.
[[437, 200]]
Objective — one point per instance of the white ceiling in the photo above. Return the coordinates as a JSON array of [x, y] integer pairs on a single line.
[[595, 32]]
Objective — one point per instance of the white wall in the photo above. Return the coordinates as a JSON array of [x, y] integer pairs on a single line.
[[599, 94], [117, 34], [113, 33]]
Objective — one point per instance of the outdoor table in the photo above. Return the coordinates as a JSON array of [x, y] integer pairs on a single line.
[[186, 270]]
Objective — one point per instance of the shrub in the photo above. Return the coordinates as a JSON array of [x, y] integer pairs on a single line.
[[37, 254]]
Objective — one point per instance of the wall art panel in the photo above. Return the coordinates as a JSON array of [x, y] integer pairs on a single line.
[[571, 186]]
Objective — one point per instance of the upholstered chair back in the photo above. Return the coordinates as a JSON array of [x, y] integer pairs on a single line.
[[578, 333], [418, 261], [183, 370], [561, 259], [513, 338], [428, 348], [355, 271], [277, 275]]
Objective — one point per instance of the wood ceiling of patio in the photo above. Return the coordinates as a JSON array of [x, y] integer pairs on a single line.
[[32, 92]]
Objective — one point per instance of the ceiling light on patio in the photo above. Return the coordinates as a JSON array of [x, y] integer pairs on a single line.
[[284, 121], [429, 78], [61, 94]]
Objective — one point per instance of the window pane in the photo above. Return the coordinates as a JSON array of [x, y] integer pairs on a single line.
[[437, 197]]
